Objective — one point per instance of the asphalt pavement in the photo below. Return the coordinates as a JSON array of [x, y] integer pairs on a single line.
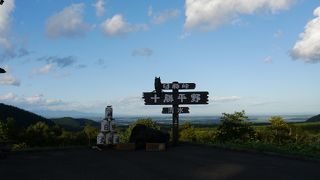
[[178, 163]]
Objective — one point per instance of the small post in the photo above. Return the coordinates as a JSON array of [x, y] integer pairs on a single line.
[[175, 116]]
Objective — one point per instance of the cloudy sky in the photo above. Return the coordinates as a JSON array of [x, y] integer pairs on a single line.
[[261, 56]]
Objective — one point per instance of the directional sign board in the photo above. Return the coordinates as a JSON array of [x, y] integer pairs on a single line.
[[174, 98], [168, 86], [181, 110], [167, 98]]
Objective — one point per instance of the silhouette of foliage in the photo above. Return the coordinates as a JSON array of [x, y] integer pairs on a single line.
[[124, 136]]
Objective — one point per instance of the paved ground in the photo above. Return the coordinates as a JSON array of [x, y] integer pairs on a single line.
[[184, 162]]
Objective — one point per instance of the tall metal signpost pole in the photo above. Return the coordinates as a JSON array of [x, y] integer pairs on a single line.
[[174, 98]]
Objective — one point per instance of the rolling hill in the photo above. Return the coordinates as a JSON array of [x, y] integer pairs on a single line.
[[22, 117], [314, 119], [74, 124]]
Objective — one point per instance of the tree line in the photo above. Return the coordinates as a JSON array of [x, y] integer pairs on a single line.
[[234, 129]]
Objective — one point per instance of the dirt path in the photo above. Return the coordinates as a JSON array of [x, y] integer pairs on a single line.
[[184, 162]]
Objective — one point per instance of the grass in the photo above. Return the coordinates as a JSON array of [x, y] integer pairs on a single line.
[[307, 150]]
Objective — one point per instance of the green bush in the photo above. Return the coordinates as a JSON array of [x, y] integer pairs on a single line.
[[19, 146], [187, 133], [235, 127], [205, 136], [37, 134], [91, 132]]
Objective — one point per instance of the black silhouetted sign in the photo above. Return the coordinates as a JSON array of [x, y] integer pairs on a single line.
[[2, 70], [181, 110], [167, 98], [1, 2], [158, 85], [174, 98]]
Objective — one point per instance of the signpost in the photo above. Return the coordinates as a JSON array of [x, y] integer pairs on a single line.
[[175, 98]]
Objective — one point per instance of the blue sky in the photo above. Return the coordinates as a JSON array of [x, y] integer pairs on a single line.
[[83, 55]]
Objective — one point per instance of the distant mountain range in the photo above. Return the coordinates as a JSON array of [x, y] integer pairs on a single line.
[[25, 118], [74, 114]]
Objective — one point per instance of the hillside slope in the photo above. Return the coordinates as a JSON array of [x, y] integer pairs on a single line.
[[314, 119], [22, 117]]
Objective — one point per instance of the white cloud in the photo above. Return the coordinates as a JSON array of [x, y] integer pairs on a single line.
[[210, 14], [307, 47], [43, 70], [5, 15], [165, 16], [5, 22], [8, 79], [100, 9], [9, 96], [268, 60], [67, 23], [225, 98], [37, 101], [117, 25]]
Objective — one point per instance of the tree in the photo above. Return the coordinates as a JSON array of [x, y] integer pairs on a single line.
[[235, 127], [3, 132], [13, 131], [37, 134], [281, 131], [187, 132], [91, 132]]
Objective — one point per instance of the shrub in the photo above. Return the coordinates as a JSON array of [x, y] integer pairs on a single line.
[[280, 130], [19, 146], [235, 127], [187, 133], [205, 136]]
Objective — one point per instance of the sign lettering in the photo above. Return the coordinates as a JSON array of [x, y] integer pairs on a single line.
[[200, 97], [181, 110], [169, 86]]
